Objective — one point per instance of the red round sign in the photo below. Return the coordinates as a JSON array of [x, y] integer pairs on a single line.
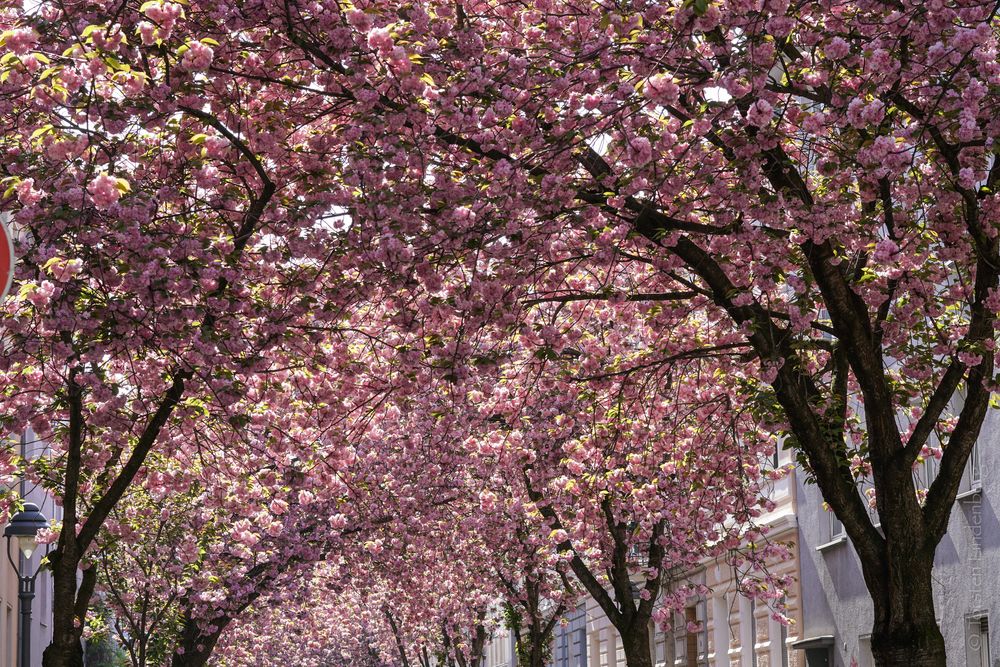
[[6, 260]]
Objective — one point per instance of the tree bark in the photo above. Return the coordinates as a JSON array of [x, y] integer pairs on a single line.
[[635, 642], [532, 648], [69, 606], [65, 649], [196, 647], [479, 646], [397, 636], [906, 632], [536, 655]]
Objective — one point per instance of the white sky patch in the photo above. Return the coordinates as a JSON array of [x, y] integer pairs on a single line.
[[600, 143], [717, 94]]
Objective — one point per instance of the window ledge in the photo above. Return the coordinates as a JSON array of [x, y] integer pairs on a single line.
[[842, 539], [974, 492]]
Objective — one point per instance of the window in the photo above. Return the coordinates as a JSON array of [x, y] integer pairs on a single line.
[[975, 471], [691, 638], [977, 641], [691, 648], [46, 585], [924, 473], [562, 646], [836, 527], [598, 649], [660, 656], [972, 477]]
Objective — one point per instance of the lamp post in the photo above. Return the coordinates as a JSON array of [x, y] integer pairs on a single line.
[[25, 526]]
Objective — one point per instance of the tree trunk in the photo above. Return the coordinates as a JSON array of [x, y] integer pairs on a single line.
[[479, 646], [906, 632], [536, 655], [397, 636], [635, 642], [195, 647], [531, 649], [65, 650]]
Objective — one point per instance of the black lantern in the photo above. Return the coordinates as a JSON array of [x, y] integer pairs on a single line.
[[25, 526]]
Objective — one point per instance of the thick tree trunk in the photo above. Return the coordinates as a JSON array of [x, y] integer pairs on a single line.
[[635, 642], [66, 649], [906, 632]]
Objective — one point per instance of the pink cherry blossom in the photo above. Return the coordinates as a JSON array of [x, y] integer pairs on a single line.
[[103, 190]]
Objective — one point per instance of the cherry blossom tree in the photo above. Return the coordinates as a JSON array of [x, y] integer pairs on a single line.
[[163, 258], [537, 587], [633, 480], [817, 181]]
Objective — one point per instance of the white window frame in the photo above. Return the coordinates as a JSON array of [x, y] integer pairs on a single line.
[[837, 530], [972, 476]]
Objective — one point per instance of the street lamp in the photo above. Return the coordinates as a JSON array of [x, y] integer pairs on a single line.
[[25, 526]]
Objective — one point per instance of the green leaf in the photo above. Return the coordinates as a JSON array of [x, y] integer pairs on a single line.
[[41, 131], [546, 353], [49, 71], [116, 64]]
